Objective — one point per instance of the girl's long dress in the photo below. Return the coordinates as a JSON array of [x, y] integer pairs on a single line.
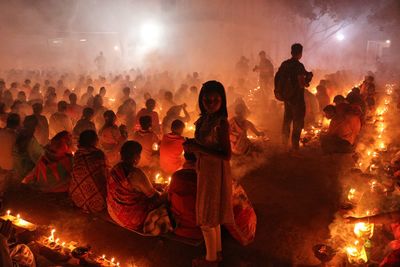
[[214, 182]]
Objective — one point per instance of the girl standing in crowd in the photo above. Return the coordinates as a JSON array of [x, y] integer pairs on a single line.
[[214, 184]]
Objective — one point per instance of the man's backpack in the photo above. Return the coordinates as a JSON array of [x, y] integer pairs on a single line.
[[284, 85]]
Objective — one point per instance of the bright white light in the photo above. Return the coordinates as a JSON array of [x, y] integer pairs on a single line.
[[150, 33], [116, 47], [340, 37], [82, 40], [388, 41]]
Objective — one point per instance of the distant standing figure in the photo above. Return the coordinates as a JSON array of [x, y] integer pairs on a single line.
[[266, 74], [100, 62]]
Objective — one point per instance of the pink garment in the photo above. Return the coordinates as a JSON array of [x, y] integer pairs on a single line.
[[171, 150]]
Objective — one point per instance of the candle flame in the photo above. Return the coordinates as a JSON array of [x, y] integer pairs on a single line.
[[364, 230], [351, 194], [354, 255], [8, 212]]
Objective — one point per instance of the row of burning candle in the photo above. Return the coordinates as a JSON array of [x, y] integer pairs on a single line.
[[356, 249], [56, 244], [18, 221], [52, 242]]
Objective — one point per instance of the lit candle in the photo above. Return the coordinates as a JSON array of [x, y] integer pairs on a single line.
[[351, 194], [365, 230], [155, 147], [51, 237], [8, 212]]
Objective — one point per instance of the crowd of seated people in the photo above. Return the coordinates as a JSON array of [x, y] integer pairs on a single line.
[[347, 115], [61, 141]]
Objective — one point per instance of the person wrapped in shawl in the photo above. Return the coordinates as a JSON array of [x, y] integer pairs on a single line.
[[89, 174], [53, 171], [130, 194], [110, 137]]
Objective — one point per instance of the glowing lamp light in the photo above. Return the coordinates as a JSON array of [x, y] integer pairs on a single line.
[[388, 41], [116, 47], [340, 37], [150, 33], [82, 40]]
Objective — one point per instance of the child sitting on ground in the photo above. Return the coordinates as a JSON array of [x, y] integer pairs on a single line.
[[239, 125], [147, 138], [171, 148]]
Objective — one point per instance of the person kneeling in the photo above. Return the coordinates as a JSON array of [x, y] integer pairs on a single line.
[[343, 130], [130, 194]]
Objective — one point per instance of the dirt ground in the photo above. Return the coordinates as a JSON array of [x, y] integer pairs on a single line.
[[294, 199]]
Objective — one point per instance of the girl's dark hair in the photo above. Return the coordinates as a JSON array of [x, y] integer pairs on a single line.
[[211, 87], [87, 138], [129, 149]]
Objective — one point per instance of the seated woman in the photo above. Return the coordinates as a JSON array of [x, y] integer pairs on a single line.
[[53, 171], [130, 194], [26, 151], [110, 137], [239, 126], [343, 130], [126, 113], [89, 174], [146, 137], [171, 148], [84, 124]]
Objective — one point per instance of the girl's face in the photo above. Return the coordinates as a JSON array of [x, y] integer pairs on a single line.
[[212, 102]]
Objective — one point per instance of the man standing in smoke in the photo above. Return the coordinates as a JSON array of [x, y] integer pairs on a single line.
[[266, 74], [290, 82], [100, 62]]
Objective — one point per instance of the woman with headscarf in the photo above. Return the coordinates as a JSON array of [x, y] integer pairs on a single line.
[[89, 174], [130, 194], [53, 171]]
